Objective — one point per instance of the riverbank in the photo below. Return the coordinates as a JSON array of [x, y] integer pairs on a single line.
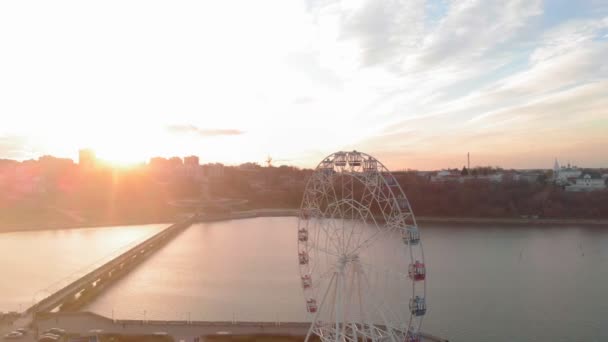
[[270, 212], [24, 227], [512, 221], [279, 212], [81, 323]]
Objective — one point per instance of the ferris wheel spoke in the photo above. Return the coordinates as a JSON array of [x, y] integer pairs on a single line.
[[370, 240], [400, 274], [324, 250]]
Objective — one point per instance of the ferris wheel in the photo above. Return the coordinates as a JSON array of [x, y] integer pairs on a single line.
[[361, 262]]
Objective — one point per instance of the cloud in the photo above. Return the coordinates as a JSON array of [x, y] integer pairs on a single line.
[[472, 29], [13, 147], [191, 129], [385, 30], [303, 100]]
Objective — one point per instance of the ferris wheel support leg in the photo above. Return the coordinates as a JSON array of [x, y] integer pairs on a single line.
[[391, 334], [314, 319], [354, 328], [339, 306]]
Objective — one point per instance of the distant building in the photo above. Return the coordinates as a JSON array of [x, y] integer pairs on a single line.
[[528, 176], [87, 158], [214, 170], [446, 176], [591, 181], [566, 174], [192, 167], [164, 164], [175, 162], [191, 161], [158, 163], [457, 176]]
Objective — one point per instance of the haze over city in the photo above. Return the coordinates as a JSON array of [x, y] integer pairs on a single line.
[[419, 84]]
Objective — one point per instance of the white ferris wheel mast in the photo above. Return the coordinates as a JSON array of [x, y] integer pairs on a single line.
[[360, 257]]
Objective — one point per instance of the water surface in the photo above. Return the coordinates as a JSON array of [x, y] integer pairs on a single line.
[[485, 282], [34, 263]]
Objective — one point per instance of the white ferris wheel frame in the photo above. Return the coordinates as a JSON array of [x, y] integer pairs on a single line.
[[380, 188]]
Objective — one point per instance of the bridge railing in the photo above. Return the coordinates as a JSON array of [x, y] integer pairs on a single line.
[[55, 287], [114, 258]]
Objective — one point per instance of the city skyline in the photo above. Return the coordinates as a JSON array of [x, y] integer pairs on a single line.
[[419, 84]]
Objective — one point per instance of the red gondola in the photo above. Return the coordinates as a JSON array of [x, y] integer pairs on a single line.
[[303, 256], [417, 271], [311, 305], [306, 281], [303, 235]]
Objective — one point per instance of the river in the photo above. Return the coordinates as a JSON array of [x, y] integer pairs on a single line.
[[485, 282], [35, 263]]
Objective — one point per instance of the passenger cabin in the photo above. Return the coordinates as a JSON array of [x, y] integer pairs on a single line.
[[417, 271], [389, 179], [326, 166], [303, 256], [413, 337], [403, 202], [306, 281], [370, 164], [355, 159], [340, 159], [302, 235], [311, 305], [411, 235], [417, 306], [307, 213]]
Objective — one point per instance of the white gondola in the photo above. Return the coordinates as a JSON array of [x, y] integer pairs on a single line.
[[403, 202], [327, 167], [340, 159], [370, 165], [354, 158], [417, 306], [411, 235], [306, 281], [390, 180], [303, 256], [303, 235]]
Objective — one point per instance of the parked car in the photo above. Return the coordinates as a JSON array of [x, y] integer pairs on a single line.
[[13, 335], [56, 331]]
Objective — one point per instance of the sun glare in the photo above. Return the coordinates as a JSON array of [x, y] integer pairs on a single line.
[[119, 156]]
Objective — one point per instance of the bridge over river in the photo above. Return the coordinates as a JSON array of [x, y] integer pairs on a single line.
[[77, 293], [61, 308]]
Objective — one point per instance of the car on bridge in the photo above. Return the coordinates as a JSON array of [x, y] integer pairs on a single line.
[[56, 331], [48, 337], [13, 335]]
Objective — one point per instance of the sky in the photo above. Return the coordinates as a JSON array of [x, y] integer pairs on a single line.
[[418, 84]]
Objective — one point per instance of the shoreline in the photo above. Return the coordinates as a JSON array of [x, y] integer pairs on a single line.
[[71, 225], [279, 212], [271, 212], [512, 221]]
